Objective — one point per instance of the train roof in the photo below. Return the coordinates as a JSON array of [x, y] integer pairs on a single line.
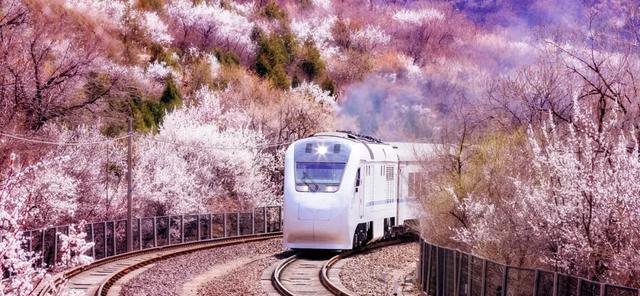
[[351, 135], [413, 151], [406, 151]]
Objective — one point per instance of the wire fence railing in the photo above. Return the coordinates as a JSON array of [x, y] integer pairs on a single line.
[[449, 272], [110, 239]]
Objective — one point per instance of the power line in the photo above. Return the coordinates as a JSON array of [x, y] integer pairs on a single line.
[[48, 142], [262, 146], [25, 139]]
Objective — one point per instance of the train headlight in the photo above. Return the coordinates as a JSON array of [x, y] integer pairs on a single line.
[[331, 188], [302, 188], [321, 150]]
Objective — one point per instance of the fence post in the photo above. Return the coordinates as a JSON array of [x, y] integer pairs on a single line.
[[505, 280], [93, 240], [438, 272], [253, 221], [115, 249], [578, 287], [198, 224], [238, 223], [264, 213], [55, 245], [555, 284], [421, 263], [469, 260], [210, 227], [155, 232], [425, 286], [182, 228], [139, 233], [30, 241], [456, 272], [104, 241], [224, 224], [484, 278], [536, 282], [42, 246]]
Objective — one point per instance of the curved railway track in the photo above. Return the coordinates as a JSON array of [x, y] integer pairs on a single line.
[[98, 277], [310, 274]]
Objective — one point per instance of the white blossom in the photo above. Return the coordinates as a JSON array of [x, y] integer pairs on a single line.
[[417, 17], [579, 208], [318, 30], [413, 71], [156, 28], [201, 154], [158, 70], [214, 65], [204, 18], [322, 4], [314, 93], [371, 37]]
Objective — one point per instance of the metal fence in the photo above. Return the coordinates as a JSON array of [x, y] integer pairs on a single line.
[[445, 272], [110, 236]]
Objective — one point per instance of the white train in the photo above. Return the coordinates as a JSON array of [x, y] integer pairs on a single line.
[[343, 190]]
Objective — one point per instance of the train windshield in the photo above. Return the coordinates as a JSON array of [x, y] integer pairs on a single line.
[[319, 176]]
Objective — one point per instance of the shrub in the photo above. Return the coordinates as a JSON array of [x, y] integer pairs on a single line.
[[272, 11], [275, 53], [170, 97], [227, 57], [311, 62], [147, 115], [151, 5], [329, 85]]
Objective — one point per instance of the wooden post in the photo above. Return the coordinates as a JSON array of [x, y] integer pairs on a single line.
[[129, 189]]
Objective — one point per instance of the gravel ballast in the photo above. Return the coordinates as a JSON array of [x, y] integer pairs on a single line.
[[242, 281], [385, 271], [169, 276]]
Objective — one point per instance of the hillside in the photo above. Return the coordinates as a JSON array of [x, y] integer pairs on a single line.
[[539, 101]]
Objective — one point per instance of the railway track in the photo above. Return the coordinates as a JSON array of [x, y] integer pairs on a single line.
[[312, 274], [100, 276]]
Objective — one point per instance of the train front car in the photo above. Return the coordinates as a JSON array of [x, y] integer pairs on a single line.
[[319, 182]]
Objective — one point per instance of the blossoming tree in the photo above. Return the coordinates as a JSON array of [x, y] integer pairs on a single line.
[[578, 209]]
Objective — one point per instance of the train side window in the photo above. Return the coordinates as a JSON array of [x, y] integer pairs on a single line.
[[358, 178], [390, 173]]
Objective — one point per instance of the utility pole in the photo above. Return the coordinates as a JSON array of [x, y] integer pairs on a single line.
[[129, 188]]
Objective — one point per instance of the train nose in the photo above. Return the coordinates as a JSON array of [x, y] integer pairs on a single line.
[[314, 233], [311, 214]]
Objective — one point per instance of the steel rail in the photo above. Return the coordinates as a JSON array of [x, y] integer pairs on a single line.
[[324, 270], [175, 250], [275, 277]]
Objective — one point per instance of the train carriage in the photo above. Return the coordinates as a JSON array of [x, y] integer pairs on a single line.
[[343, 190]]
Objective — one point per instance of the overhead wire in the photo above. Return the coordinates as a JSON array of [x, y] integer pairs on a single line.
[[48, 142], [58, 143], [261, 146]]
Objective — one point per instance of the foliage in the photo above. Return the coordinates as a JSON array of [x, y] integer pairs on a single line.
[[227, 57], [572, 208], [19, 266], [275, 53], [148, 115], [201, 157], [205, 25], [171, 97], [273, 11], [311, 63]]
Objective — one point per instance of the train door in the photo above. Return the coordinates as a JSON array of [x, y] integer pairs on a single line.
[[360, 191]]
